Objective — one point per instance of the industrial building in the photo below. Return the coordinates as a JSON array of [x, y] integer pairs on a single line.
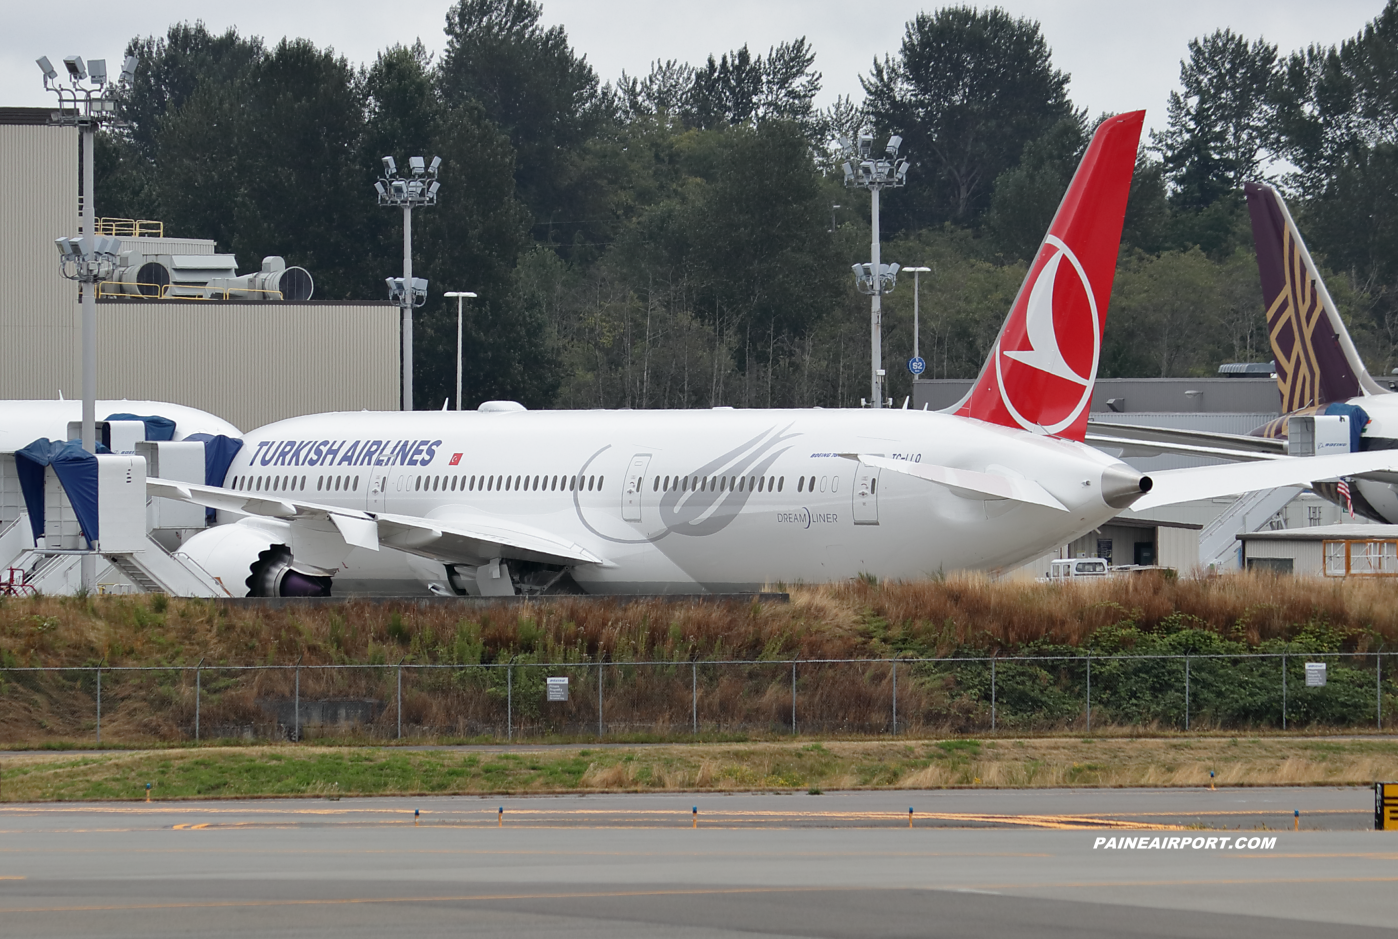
[[216, 349], [1324, 551]]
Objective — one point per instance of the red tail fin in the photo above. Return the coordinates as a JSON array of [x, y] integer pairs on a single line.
[[1041, 370]]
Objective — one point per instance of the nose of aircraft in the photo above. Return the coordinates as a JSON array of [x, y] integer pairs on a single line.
[[1121, 486]]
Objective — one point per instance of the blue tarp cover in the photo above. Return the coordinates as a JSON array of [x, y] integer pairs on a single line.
[[1358, 420], [219, 451], [157, 427], [76, 470]]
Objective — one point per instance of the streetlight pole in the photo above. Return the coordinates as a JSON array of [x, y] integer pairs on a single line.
[[407, 193], [89, 260], [460, 296], [917, 366], [875, 279]]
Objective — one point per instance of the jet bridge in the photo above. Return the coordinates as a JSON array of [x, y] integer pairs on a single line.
[[60, 504]]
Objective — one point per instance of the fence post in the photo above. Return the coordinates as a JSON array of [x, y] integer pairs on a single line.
[[399, 706], [99, 705], [196, 700], [1378, 691], [509, 702], [1283, 691], [694, 696], [992, 693], [599, 697], [1186, 692], [894, 668], [793, 696], [296, 732], [1089, 694]]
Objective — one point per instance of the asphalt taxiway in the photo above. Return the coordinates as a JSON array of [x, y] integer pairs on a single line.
[[841, 864]]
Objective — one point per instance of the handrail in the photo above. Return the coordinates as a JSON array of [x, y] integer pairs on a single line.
[[130, 227], [162, 291]]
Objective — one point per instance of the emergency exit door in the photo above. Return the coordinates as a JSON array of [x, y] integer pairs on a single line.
[[635, 488], [866, 495]]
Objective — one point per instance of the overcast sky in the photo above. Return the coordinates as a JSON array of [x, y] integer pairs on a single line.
[[1121, 55]]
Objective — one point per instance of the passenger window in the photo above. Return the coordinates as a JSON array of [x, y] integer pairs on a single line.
[[356, 484], [536, 483], [417, 484], [590, 481], [472, 484], [656, 487], [761, 483], [599, 483], [801, 484], [811, 484], [834, 484], [823, 481], [781, 483]]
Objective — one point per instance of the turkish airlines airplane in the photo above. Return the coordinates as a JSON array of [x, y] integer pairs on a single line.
[[504, 501]]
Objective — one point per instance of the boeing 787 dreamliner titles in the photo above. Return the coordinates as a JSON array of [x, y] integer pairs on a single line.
[[504, 500]]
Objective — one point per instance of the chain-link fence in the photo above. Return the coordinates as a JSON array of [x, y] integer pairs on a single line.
[[532, 700]]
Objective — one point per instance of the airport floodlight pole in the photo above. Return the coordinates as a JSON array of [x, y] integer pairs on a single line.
[[875, 174], [85, 102], [418, 188], [460, 296], [916, 272]]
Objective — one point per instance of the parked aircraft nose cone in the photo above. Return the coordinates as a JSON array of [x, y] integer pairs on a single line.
[[1121, 486]]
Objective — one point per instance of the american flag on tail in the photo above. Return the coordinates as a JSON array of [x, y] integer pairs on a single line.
[[1343, 489]]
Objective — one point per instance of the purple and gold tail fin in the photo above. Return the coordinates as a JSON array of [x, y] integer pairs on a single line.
[[1315, 359]]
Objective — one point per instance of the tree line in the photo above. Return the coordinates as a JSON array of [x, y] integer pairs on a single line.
[[684, 238]]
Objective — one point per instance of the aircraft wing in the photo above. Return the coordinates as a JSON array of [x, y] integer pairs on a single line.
[[1208, 482], [1136, 440], [982, 485], [460, 538]]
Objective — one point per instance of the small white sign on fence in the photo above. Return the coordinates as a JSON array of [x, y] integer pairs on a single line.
[[558, 689], [1315, 674]]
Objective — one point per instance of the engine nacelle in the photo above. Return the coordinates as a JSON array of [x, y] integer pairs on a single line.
[[253, 558]]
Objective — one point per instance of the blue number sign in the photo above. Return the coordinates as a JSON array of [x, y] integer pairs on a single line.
[[916, 365]]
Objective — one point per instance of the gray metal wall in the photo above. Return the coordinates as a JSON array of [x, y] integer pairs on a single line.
[[38, 309], [250, 363]]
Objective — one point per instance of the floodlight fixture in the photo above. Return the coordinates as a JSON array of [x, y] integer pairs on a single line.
[[128, 69], [383, 190], [432, 189], [417, 165], [894, 143], [866, 144], [390, 166], [97, 70], [400, 188], [76, 70], [435, 165], [849, 172], [65, 248], [46, 67]]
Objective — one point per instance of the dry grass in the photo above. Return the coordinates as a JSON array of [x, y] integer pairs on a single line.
[[901, 764], [828, 621]]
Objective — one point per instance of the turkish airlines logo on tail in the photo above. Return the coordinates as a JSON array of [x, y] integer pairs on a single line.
[[1046, 358]]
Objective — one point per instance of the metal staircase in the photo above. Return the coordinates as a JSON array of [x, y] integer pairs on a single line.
[[1218, 541]]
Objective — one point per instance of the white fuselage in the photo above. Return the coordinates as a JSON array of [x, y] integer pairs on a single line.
[[721, 500], [1383, 422], [23, 422]]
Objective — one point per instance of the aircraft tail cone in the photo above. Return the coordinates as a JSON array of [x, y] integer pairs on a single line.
[[1121, 486]]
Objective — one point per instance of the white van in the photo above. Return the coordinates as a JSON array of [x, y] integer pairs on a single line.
[[1077, 567]]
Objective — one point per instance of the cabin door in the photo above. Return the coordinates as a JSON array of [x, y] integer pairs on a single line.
[[866, 495], [635, 487]]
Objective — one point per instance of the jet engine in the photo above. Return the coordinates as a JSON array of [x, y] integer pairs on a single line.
[[253, 558]]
